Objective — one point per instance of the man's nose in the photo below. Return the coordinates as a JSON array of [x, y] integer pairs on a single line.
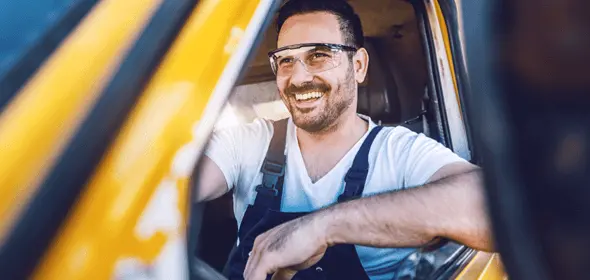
[[299, 74]]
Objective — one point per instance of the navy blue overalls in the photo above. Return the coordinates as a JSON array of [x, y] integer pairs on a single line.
[[340, 261]]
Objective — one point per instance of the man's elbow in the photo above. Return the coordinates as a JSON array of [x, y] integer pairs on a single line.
[[483, 243], [477, 235]]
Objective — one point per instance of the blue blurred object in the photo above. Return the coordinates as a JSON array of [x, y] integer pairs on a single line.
[[22, 24], [29, 34]]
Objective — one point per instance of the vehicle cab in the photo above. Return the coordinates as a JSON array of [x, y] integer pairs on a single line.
[[106, 107]]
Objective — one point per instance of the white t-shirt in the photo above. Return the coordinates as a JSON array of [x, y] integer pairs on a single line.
[[399, 158]]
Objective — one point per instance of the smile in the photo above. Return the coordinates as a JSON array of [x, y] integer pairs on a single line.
[[308, 96]]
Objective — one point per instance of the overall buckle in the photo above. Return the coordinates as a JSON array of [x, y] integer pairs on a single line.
[[353, 182], [271, 172]]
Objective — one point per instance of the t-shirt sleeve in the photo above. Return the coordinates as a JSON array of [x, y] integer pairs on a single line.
[[228, 148], [420, 157]]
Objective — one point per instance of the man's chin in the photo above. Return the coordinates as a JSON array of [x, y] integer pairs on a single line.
[[308, 124]]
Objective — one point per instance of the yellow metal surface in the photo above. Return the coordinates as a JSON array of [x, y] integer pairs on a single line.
[[494, 269], [445, 32], [484, 266], [39, 122], [118, 220]]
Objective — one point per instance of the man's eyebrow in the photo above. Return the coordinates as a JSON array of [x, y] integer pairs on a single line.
[[322, 48]]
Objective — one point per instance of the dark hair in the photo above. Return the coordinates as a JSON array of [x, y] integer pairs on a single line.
[[350, 23]]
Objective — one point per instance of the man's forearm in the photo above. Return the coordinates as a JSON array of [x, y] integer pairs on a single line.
[[453, 207]]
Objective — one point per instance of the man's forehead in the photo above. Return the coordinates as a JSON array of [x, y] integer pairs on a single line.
[[317, 27]]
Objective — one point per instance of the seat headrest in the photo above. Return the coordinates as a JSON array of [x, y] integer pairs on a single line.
[[377, 96]]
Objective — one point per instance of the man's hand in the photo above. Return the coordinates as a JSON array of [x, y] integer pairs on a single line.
[[287, 248]]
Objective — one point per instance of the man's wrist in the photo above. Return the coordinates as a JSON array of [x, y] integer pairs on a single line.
[[329, 225]]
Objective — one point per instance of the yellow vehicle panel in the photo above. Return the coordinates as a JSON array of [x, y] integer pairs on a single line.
[[116, 222], [483, 266], [41, 119]]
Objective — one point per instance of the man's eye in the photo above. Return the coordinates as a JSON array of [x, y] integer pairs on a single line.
[[319, 55], [285, 60]]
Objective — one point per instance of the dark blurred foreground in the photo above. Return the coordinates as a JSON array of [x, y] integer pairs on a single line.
[[529, 68]]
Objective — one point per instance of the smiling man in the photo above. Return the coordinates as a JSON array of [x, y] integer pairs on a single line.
[[326, 193]]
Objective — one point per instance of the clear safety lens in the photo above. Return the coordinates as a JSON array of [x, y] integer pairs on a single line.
[[314, 59]]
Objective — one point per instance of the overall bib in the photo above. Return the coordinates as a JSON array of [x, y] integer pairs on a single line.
[[340, 261]]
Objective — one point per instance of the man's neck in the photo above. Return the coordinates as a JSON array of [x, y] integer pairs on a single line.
[[348, 128]]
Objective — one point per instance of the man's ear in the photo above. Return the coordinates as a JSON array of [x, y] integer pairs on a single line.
[[361, 64]]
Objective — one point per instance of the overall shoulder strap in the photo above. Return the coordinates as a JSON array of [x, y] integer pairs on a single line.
[[354, 181], [270, 192]]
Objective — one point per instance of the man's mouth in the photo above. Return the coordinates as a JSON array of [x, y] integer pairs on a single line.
[[308, 96]]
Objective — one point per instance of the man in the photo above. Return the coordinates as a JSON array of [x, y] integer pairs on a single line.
[[326, 153]]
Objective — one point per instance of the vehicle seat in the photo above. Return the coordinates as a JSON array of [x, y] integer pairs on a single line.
[[377, 95]]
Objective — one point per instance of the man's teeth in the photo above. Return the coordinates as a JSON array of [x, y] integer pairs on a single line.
[[309, 95]]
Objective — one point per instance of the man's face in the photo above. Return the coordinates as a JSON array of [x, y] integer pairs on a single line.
[[337, 87]]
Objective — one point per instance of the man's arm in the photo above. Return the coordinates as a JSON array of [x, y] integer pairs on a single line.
[[452, 206], [210, 181], [230, 150]]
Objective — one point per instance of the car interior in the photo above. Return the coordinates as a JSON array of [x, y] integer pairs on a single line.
[[395, 92]]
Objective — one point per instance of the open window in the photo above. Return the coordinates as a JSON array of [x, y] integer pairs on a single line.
[[405, 85]]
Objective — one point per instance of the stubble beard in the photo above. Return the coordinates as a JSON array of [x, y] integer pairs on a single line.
[[335, 104]]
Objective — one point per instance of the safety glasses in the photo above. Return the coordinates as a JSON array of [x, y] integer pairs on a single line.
[[315, 57]]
